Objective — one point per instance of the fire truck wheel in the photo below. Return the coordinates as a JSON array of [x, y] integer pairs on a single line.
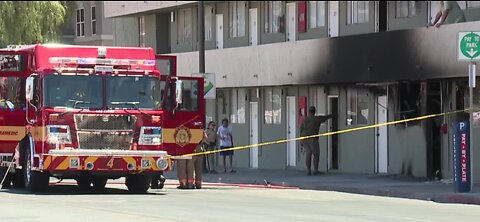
[[138, 183], [99, 183], [18, 179], [34, 181], [83, 182]]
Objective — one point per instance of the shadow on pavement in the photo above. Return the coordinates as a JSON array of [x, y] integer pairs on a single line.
[[60, 189]]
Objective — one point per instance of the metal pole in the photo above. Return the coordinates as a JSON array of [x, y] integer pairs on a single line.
[[201, 38], [201, 57], [471, 75]]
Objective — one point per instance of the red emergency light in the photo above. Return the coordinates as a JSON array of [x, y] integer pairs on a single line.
[[97, 61]]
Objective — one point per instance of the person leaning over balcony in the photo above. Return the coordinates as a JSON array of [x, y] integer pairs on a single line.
[[310, 127], [450, 12]]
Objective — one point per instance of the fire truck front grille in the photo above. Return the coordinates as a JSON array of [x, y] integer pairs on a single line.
[[105, 140], [104, 131], [104, 122]]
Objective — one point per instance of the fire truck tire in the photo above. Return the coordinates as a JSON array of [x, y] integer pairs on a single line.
[[138, 183], [84, 182], [99, 183], [18, 179], [34, 181]]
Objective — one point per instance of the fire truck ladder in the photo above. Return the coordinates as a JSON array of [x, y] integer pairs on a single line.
[[8, 170]]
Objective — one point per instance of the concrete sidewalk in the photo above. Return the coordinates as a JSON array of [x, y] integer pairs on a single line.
[[390, 186]]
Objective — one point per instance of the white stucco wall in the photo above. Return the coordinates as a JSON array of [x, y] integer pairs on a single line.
[[123, 8]]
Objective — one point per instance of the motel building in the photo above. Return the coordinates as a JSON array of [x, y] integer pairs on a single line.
[[367, 62]]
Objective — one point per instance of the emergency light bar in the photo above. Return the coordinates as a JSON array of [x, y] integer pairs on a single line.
[[96, 61]]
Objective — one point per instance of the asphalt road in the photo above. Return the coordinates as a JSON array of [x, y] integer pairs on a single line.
[[64, 202]]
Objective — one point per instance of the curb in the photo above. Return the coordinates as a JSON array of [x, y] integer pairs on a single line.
[[453, 198]]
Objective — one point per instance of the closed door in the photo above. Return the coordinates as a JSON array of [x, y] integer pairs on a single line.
[[253, 28], [254, 134], [382, 137], [333, 18], [291, 131], [291, 33], [219, 35]]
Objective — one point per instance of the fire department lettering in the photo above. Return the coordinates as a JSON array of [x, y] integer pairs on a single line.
[[8, 133], [182, 136]]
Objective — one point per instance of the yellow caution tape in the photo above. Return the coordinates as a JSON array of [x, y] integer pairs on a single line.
[[326, 134]]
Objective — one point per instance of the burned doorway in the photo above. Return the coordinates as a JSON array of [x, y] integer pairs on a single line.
[[433, 130]]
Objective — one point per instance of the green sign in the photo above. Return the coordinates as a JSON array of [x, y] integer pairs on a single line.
[[209, 84], [469, 45]]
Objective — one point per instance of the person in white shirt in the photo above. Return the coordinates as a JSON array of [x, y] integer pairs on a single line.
[[225, 136]]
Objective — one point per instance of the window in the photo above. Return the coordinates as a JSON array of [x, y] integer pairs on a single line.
[[316, 11], [12, 92], [357, 106], [72, 91], [238, 98], [80, 22], [190, 96], [468, 4], [94, 21], [208, 22], [12, 63], [408, 102], [274, 17], [185, 26], [237, 18], [405, 9], [141, 30], [357, 12], [273, 106]]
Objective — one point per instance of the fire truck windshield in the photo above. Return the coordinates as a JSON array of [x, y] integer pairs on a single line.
[[72, 91], [85, 92], [133, 92]]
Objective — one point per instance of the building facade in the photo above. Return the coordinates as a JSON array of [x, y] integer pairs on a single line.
[[366, 61], [87, 25]]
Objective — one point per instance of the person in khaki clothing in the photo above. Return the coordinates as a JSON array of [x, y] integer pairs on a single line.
[[210, 143], [309, 127], [189, 171]]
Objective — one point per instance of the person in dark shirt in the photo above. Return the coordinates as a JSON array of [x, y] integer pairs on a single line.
[[309, 127]]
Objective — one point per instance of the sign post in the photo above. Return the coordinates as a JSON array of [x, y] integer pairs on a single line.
[[469, 50], [461, 154], [209, 88]]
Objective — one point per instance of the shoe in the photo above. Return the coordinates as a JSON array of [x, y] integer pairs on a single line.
[[233, 171], [213, 172], [225, 170], [316, 173], [198, 186], [182, 187], [190, 186], [309, 173]]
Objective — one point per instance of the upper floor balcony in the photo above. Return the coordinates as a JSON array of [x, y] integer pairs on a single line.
[[128, 8]]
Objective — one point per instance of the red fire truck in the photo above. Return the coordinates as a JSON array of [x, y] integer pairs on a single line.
[[94, 113]]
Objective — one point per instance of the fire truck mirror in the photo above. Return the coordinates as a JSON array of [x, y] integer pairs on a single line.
[[179, 91], [29, 89]]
